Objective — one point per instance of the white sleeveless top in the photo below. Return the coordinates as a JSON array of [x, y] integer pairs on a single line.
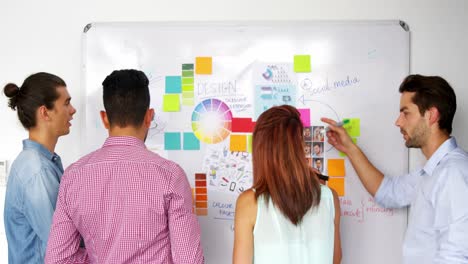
[[278, 240]]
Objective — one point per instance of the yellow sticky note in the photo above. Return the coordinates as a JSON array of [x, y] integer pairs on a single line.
[[238, 143], [302, 63], [355, 142], [171, 103], [337, 184], [336, 167], [353, 127], [203, 65]]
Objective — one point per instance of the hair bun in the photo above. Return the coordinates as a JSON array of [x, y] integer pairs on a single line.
[[11, 90]]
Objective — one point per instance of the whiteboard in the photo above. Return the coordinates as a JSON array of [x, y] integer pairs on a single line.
[[209, 81]]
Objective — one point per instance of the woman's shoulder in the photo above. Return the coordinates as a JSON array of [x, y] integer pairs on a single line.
[[247, 198]]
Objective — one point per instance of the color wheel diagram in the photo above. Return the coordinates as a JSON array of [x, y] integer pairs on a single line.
[[211, 121]]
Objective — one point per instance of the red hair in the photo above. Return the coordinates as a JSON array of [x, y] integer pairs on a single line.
[[280, 168]]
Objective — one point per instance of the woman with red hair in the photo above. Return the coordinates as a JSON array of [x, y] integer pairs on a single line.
[[287, 216]]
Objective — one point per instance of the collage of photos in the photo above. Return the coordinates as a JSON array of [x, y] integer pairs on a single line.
[[314, 146]]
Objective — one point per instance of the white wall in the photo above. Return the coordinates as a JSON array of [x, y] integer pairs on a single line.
[[46, 36]]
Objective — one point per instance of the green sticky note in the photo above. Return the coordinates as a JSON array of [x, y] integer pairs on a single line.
[[187, 73], [302, 63], [188, 66], [172, 141], [353, 126], [249, 143], [355, 142], [191, 142], [171, 103], [187, 81]]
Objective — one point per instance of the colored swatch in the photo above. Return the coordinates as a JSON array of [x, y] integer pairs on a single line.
[[201, 196], [173, 84], [353, 127], [203, 65], [249, 143], [172, 141], [302, 63], [337, 184], [171, 103], [305, 116], [211, 121], [242, 124], [336, 167], [238, 143], [191, 142]]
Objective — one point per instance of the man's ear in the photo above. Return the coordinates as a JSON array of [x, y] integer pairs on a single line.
[[148, 117], [434, 115], [42, 113], [104, 119]]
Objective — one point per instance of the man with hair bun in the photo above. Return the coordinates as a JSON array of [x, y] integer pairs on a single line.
[[44, 109]]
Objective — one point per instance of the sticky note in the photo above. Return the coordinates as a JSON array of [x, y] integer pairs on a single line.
[[336, 167], [249, 143], [191, 142], [301, 63], [188, 101], [173, 84], [172, 141], [186, 81], [242, 124], [187, 73], [201, 211], [238, 143], [305, 116], [203, 65], [187, 94], [342, 153], [187, 66], [187, 87], [337, 184], [171, 103], [353, 127]]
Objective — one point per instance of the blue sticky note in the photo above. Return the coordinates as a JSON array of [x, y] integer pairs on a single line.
[[191, 142], [172, 141], [173, 84]]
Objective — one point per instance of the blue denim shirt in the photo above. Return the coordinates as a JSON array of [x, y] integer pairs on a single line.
[[31, 195], [438, 220]]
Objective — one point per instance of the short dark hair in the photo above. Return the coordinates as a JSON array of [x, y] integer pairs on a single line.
[[126, 97], [37, 90], [432, 91]]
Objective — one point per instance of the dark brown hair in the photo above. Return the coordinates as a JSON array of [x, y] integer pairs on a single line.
[[432, 91], [280, 168], [37, 90]]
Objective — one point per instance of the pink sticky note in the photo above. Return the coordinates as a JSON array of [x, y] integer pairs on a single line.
[[305, 116]]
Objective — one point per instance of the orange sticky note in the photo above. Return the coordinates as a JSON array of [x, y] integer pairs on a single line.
[[238, 143], [337, 184], [203, 65], [336, 167]]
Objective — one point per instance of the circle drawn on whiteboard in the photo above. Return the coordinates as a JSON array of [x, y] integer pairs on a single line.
[[212, 121]]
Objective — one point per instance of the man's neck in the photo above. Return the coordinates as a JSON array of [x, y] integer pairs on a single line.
[[433, 143], [128, 131], [44, 138]]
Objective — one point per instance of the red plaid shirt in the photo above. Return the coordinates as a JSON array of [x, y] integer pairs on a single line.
[[129, 205]]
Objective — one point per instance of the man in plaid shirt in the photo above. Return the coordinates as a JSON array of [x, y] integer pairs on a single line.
[[129, 204]]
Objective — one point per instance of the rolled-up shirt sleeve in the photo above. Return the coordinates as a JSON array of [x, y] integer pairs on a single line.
[[397, 192]]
